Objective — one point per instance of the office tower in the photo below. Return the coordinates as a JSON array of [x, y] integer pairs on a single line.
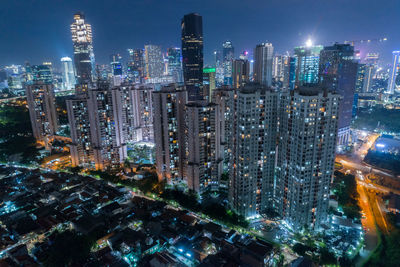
[[219, 68], [263, 58], [308, 121], [244, 55], [154, 63], [42, 110], [68, 74], [307, 58], [228, 55], [136, 65], [204, 154], [224, 98], [83, 49], [81, 148], [14, 79], [394, 78], [240, 72], [292, 73], [280, 70], [175, 64], [254, 143], [209, 83], [169, 132], [338, 73], [42, 73], [372, 58], [192, 55], [360, 77], [106, 127], [116, 69]]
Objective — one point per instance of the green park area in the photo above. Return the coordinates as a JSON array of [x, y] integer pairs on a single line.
[[345, 189]]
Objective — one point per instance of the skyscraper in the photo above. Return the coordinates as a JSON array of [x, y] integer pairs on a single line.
[[136, 65], [68, 73], [42, 73], [338, 73], [169, 132], [42, 110], [240, 72], [308, 119], [154, 63], [83, 49], [116, 69], [254, 142], [263, 58], [175, 64], [228, 54], [209, 82], [307, 58], [394, 77], [192, 55]]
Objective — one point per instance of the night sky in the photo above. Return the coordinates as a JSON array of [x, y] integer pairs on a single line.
[[38, 30]]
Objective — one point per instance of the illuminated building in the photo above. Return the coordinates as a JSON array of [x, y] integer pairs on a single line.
[[143, 103], [169, 132], [68, 73], [136, 65], [338, 73], [209, 83], [368, 78], [154, 63], [83, 49], [42, 110], [240, 72], [42, 73], [204, 154], [307, 58], [174, 64], [394, 77], [360, 78], [308, 121], [116, 69], [280, 70], [192, 55], [227, 55], [253, 150], [263, 58]]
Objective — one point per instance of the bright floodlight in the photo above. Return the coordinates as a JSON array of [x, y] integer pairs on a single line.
[[309, 43]]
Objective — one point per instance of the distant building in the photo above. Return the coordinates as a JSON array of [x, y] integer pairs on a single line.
[[116, 69], [83, 49], [228, 54], [68, 74], [192, 55], [209, 82], [154, 66], [175, 64], [42, 110], [263, 59], [308, 124], [169, 132], [136, 66], [338, 73], [307, 58], [240, 72], [394, 77]]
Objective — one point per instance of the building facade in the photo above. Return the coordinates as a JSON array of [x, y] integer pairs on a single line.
[[263, 59]]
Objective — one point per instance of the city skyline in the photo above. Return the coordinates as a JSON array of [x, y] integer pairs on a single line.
[[114, 34]]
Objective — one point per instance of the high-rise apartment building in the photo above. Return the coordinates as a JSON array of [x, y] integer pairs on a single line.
[[204, 154], [228, 55], [169, 132], [307, 59], [154, 63], [68, 74], [308, 121], [83, 49], [175, 64], [263, 59], [240, 72], [192, 55], [254, 143], [42, 110], [394, 77], [338, 73]]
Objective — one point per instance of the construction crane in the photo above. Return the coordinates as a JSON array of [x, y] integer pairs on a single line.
[[377, 40]]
